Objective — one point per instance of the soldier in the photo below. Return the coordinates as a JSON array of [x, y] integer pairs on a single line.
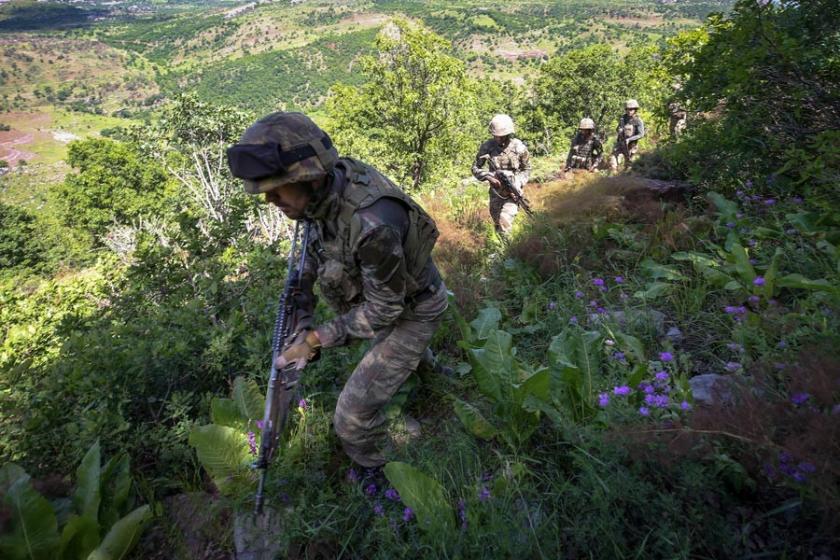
[[678, 119], [370, 251], [586, 151], [630, 130], [504, 154]]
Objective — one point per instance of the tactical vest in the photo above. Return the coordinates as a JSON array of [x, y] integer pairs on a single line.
[[339, 274], [582, 151]]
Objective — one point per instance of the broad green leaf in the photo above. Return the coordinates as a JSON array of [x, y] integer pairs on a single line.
[[32, 533], [715, 276], [474, 421], [658, 271], [123, 536], [806, 222], [696, 259], [799, 281], [654, 290], [79, 538], [487, 321], [115, 486], [537, 385], [742, 264], [493, 364], [770, 276], [725, 207], [733, 286], [225, 412], [248, 398], [424, 495], [223, 451], [631, 345], [88, 494], [637, 375]]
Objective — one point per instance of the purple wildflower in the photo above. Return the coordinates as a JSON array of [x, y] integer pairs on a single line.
[[260, 424], [378, 509], [782, 344], [352, 475], [769, 201], [662, 376], [593, 303], [685, 405], [578, 294], [598, 282], [303, 404], [552, 305], [484, 494], [252, 443], [807, 467], [754, 300], [619, 279], [732, 367], [392, 494], [462, 513], [408, 514], [648, 389], [735, 347], [622, 391], [619, 356], [573, 320], [644, 411], [759, 281], [751, 242], [370, 489], [601, 310], [748, 183], [730, 225], [735, 310], [799, 398], [666, 356], [603, 400]]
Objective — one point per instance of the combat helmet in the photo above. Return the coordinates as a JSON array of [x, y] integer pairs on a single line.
[[501, 125], [587, 124], [631, 104], [279, 149]]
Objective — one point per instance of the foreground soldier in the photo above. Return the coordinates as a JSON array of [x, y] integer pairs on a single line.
[[370, 250], [508, 155], [630, 130], [586, 151]]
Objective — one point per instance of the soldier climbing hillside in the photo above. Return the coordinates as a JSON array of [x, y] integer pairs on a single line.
[[586, 151], [630, 130]]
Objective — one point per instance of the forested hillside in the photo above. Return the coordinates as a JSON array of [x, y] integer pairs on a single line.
[[646, 368]]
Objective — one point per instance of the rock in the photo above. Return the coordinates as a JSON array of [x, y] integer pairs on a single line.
[[711, 388], [674, 334], [257, 537]]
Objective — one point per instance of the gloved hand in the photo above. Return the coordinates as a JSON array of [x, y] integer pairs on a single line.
[[300, 352]]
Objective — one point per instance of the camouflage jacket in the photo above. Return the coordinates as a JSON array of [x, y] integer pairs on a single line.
[[590, 150], [370, 252], [638, 128], [514, 157]]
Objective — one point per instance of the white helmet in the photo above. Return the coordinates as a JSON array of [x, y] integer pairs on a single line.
[[501, 125], [631, 104], [587, 124]]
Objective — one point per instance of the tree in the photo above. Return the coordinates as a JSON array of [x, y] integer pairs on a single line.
[[418, 116], [115, 184], [20, 240]]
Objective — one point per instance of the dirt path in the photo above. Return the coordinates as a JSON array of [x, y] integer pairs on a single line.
[[9, 150]]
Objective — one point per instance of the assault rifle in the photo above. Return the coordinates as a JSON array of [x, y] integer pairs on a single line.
[[507, 185], [281, 383]]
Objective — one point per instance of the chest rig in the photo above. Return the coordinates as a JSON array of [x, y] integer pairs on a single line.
[[339, 270]]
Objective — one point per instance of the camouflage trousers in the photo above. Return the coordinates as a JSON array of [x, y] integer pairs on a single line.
[[503, 211], [360, 421], [624, 151]]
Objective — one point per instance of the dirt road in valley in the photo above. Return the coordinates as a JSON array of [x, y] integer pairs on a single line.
[[10, 142]]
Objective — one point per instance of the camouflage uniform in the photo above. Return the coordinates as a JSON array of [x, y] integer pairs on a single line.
[[585, 153], [626, 143], [513, 158], [678, 119], [370, 253]]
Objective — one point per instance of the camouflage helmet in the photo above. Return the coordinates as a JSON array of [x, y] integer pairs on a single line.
[[501, 125], [587, 124], [279, 149], [631, 104]]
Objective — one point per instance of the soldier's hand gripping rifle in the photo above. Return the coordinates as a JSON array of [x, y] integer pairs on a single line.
[[507, 185], [281, 383]]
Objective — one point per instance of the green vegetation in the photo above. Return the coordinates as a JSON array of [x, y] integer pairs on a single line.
[[136, 302]]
